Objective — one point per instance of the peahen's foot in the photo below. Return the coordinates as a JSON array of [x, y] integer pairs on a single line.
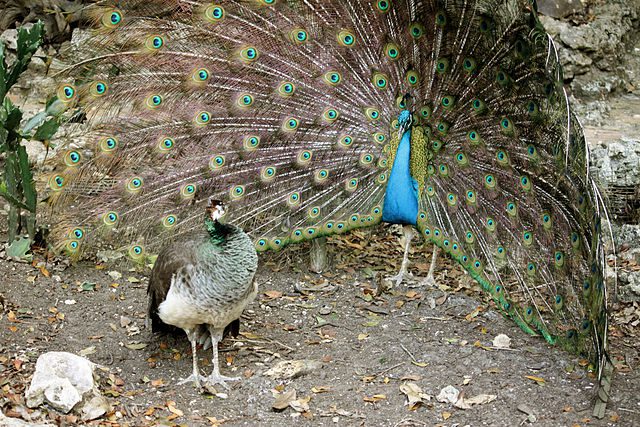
[[216, 378], [197, 380]]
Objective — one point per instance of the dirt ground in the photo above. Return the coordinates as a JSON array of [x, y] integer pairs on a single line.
[[365, 347]]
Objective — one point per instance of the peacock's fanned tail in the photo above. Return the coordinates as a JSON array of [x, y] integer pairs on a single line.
[[288, 110]]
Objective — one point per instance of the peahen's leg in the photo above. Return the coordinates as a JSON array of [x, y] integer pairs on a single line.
[[215, 377], [407, 230], [195, 376], [430, 280]]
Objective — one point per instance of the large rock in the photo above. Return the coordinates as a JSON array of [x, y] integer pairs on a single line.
[[62, 380]]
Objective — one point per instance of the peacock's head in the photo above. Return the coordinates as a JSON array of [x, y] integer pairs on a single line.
[[215, 209]]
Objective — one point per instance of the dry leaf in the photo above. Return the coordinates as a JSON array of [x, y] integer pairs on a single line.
[[172, 408], [273, 294], [446, 415], [136, 345], [283, 400], [321, 389], [300, 405], [539, 380], [362, 337], [414, 394], [481, 399], [375, 398]]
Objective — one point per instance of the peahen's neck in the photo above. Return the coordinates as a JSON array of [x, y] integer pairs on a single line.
[[401, 196], [218, 232]]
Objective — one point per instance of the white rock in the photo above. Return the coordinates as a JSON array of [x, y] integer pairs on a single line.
[[61, 379], [95, 408], [449, 394], [502, 341]]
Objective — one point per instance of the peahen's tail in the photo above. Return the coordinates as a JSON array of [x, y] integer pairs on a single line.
[[317, 117]]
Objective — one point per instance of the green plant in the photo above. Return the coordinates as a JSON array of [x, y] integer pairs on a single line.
[[16, 184]]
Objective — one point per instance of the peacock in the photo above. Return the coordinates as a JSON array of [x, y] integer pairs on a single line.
[[313, 118], [204, 280]]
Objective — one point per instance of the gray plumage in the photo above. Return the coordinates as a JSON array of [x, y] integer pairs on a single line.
[[205, 279]]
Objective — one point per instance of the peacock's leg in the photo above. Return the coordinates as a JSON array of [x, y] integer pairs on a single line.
[[318, 255], [430, 280], [407, 230], [215, 377], [195, 376]]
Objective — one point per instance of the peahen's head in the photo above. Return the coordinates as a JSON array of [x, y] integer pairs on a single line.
[[215, 209]]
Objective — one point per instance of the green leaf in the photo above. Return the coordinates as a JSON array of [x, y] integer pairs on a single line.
[[3, 72], [88, 286], [19, 248], [46, 131], [28, 42], [10, 198]]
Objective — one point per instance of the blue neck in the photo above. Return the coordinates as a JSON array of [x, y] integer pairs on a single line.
[[401, 197]]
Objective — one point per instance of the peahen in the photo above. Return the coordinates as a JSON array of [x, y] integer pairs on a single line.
[[316, 117], [204, 279]]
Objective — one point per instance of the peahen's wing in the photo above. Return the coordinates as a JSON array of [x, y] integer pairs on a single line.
[[281, 108], [507, 191]]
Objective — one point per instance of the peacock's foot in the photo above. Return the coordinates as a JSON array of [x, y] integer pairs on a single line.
[[429, 282], [197, 380], [216, 378], [398, 278]]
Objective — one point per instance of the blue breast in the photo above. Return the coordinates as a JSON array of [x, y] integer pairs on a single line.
[[401, 197]]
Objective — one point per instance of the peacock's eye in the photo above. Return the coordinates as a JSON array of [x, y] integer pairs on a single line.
[[346, 38], [214, 13], [383, 5], [416, 30]]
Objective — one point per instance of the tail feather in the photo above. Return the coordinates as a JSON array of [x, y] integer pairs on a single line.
[[289, 112]]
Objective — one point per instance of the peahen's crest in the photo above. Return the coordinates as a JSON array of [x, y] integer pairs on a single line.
[[314, 117]]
